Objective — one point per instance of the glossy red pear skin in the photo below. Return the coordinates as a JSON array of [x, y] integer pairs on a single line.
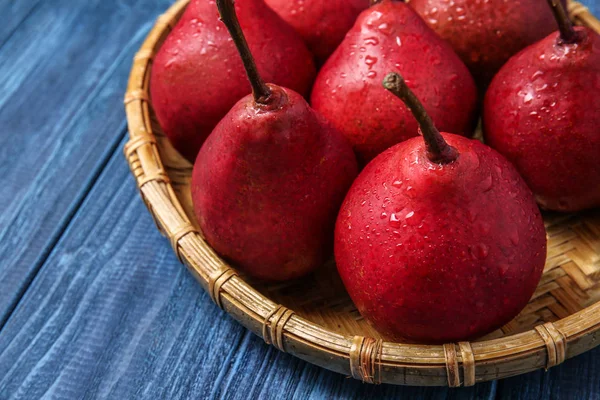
[[267, 186], [485, 34], [542, 112], [197, 75], [322, 24], [390, 37], [439, 254]]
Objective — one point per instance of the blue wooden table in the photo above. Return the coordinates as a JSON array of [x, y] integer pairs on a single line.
[[93, 303]]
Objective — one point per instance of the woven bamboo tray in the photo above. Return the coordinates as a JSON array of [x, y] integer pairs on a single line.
[[314, 319]]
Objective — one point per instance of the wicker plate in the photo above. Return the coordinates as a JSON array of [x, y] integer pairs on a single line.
[[314, 318]]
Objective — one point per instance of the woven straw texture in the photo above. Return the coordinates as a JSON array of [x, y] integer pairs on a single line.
[[314, 318]]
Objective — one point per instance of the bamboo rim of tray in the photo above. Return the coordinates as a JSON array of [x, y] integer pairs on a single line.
[[367, 359]]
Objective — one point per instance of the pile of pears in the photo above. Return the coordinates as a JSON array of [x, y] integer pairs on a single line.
[[345, 126]]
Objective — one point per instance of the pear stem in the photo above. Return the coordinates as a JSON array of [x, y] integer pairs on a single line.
[[260, 90], [565, 26], [438, 151]]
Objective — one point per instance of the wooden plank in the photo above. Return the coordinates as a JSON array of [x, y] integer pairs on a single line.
[[13, 13], [112, 314], [61, 114], [593, 5]]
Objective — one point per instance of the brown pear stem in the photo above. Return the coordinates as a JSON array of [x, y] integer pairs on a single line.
[[438, 150], [260, 90], [565, 26]]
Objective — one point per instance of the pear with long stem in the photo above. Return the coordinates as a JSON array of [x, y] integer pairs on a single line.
[[268, 182], [192, 89], [439, 239]]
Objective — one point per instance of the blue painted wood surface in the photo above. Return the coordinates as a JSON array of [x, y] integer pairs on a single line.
[[63, 73], [93, 303]]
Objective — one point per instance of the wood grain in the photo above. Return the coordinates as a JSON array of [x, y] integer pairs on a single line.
[[14, 13], [112, 314], [61, 113]]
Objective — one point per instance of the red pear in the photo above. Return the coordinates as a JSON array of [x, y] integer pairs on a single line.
[[197, 75], [269, 180], [485, 34], [542, 112], [439, 240], [322, 24], [391, 36]]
